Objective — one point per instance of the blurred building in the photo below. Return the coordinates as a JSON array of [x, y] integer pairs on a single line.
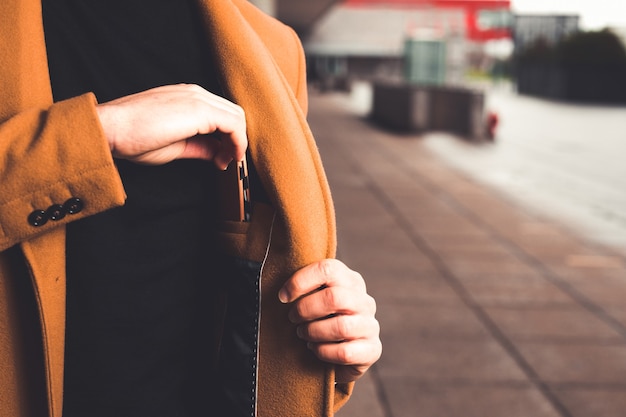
[[551, 29], [377, 38], [299, 14]]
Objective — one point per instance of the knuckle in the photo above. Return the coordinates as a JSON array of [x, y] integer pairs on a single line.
[[331, 298], [377, 350], [376, 329], [326, 267], [371, 302], [344, 327], [358, 280], [240, 110], [297, 287], [345, 354], [194, 88]]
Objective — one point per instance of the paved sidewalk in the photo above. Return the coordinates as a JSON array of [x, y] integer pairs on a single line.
[[487, 310]]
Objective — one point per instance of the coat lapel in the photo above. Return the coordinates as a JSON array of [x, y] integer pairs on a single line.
[[281, 144], [291, 380]]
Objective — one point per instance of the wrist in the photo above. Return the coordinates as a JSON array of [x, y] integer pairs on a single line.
[[106, 122]]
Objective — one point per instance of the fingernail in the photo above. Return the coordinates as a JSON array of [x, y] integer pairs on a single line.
[[283, 296], [292, 317], [222, 162]]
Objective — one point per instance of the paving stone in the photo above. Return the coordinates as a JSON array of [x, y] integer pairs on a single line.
[[424, 321], [417, 289], [544, 241], [607, 292], [595, 261], [395, 258], [477, 268], [437, 223], [357, 205], [410, 356], [489, 208], [618, 313], [572, 323], [566, 363], [597, 402], [514, 290], [416, 399], [438, 358], [487, 254], [451, 239], [602, 275]]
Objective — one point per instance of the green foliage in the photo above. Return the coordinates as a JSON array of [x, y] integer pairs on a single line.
[[587, 66], [583, 48], [591, 48]]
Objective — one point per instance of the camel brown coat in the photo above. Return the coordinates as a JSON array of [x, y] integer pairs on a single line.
[[51, 153]]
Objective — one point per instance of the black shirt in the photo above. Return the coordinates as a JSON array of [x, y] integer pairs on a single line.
[[136, 275]]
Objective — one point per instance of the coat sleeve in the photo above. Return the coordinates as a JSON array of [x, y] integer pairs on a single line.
[[55, 167]]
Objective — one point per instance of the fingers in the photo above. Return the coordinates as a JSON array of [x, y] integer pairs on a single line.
[[348, 340], [232, 146], [332, 301], [352, 358], [357, 353], [335, 316], [172, 122], [339, 329], [326, 273], [228, 121]]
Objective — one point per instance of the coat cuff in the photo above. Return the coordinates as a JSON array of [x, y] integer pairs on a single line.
[[57, 167]]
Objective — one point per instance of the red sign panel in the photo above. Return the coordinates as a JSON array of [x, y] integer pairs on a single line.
[[484, 19]]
